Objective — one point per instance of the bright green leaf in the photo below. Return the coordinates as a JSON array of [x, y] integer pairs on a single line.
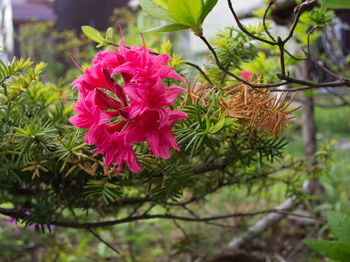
[[208, 6], [162, 3], [187, 12], [168, 28], [155, 11], [331, 249], [321, 16], [92, 34], [340, 226]]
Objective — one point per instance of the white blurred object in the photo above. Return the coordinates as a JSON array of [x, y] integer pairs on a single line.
[[133, 3], [221, 17], [6, 30]]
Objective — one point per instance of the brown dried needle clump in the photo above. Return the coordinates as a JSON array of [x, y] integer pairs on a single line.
[[198, 94], [258, 110]]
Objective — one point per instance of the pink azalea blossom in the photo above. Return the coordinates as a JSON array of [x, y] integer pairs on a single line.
[[247, 75], [117, 116]]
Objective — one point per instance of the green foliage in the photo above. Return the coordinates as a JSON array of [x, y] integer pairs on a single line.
[[331, 122], [321, 16], [47, 168], [233, 49], [339, 225], [183, 13], [16, 77], [41, 41], [109, 192], [43, 155], [330, 249], [335, 4], [336, 183], [166, 47]]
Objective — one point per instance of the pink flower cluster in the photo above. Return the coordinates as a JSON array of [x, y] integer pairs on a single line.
[[119, 116], [247, 75]]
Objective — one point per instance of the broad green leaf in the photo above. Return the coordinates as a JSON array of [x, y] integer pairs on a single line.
[[187, 12], [331, 249], [208, 6], [92, 33], [336, 4], [340, 226], [168, 28], [155, 11], [162, 3]]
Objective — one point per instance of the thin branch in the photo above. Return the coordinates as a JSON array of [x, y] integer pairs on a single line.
[[323, 68], [239, 24], [281, 49], [20, 248], [149, 209], [102, 240], [316, 63], [217, 61], [294, 57], [342, 98], [308, 39], [339, 83], [201, 71], [180, 227], [136, 209], [205, 167], [281, 43], [20, 215], [288, 79], [298, 9], [332, 106], [191, 212], [264, 21]]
